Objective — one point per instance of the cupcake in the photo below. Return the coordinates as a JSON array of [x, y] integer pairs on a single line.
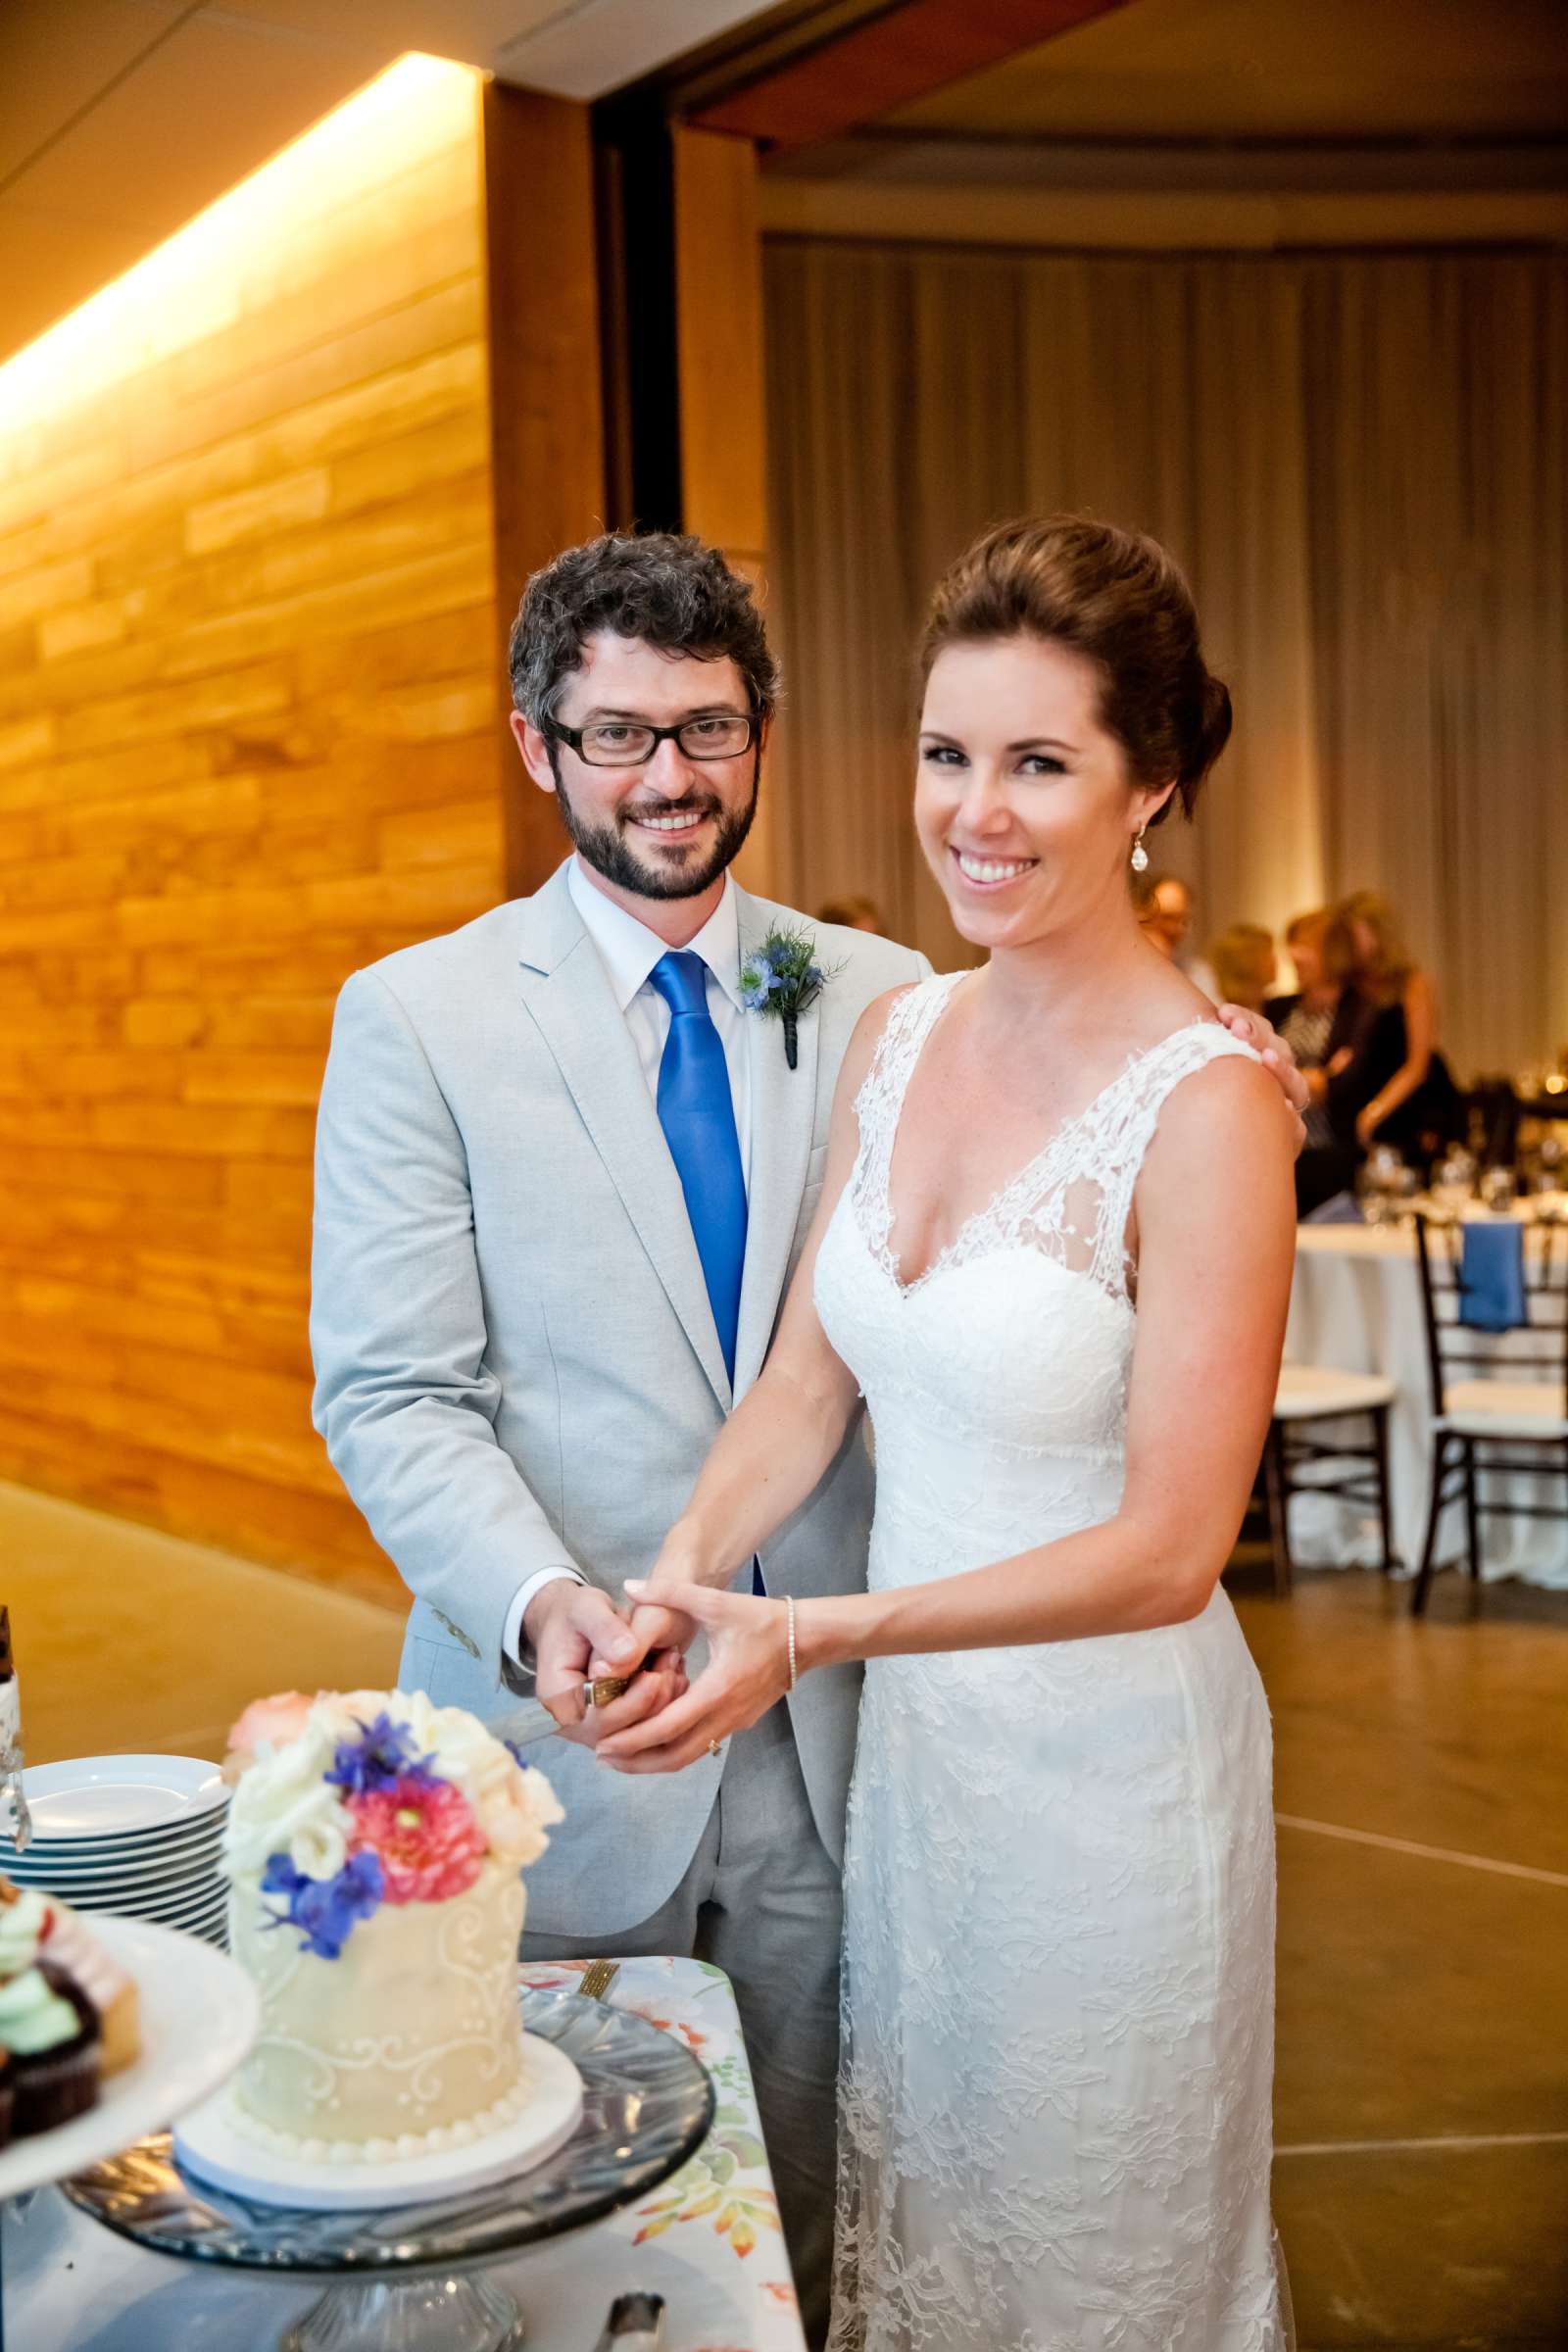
[[51, 2031], [40, 1927]]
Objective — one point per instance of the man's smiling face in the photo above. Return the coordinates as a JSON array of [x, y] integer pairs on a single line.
[[668, 828]]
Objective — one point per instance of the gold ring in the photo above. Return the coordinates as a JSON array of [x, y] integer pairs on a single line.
[[712, 1747]]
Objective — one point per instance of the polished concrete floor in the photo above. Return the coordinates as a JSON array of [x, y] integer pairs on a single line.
[[1421, 2181]]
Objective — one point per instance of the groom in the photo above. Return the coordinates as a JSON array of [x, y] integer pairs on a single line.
[[563, 1175]]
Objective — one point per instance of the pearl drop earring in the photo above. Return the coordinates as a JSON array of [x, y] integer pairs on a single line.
[[1140, 857]]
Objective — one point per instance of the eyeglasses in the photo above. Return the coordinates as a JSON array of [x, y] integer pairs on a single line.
[[632, 743]]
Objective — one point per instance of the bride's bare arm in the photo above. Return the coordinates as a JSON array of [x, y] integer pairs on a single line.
[[1216, 1234], [788, 1428]]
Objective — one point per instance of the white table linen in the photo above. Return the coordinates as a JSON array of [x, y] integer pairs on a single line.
[[1355, 1305]]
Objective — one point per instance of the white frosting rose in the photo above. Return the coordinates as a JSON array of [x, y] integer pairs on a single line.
[[320, 1847], [283, 1798]]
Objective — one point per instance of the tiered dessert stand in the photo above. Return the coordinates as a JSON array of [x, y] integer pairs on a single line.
[[405, 2277]]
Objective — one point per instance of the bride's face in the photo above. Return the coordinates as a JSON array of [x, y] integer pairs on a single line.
[[1023, 805]]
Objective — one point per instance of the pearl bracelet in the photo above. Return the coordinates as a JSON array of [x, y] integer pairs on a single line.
[[789, 1603]]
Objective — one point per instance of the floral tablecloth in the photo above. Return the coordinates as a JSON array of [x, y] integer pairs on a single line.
[[709, 2241]]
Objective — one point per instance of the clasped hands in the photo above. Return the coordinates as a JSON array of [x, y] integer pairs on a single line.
[[664, 1721]]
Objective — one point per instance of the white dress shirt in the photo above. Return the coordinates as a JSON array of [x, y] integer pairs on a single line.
[[630, 951]]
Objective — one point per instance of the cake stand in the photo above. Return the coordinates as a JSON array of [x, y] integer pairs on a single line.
[[403, 2278]]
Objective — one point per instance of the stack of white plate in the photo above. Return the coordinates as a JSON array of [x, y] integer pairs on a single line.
[[135, 1835]]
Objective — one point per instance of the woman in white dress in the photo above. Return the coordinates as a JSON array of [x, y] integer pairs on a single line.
[[1054, 1254]]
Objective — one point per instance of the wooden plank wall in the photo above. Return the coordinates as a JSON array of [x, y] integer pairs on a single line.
[[249, 739]]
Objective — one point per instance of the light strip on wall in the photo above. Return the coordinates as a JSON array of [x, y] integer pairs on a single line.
[[193, 284]]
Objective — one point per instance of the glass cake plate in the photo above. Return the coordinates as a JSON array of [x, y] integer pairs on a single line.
[[398, 2273]]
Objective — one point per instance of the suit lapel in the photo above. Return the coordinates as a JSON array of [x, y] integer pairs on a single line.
[[783, 1106], [567, 993]]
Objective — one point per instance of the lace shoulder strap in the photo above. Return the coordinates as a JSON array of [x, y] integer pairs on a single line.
[[1114, 1141], [910, 1023]]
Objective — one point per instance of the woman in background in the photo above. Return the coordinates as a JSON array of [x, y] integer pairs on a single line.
[[1245, 965], [1320, 1021], [1390, 1085]]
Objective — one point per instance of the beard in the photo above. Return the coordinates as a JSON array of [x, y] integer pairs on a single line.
[[611, 850]]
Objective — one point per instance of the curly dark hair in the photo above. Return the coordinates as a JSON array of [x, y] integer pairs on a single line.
[[1120, 598], [665, 587]]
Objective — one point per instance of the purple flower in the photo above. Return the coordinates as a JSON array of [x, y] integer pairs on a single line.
[[382, 1753], [323, 1910], [758, 983]]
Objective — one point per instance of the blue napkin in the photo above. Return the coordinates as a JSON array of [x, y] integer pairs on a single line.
[[1491, 1276], [1341, 1208]]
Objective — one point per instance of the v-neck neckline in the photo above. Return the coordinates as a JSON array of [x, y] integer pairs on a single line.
[[1024, 1176]]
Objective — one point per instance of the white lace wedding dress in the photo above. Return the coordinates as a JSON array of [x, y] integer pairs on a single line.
[[1058, 1980]]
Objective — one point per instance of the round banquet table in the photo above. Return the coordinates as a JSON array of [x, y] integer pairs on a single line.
[[1355, 1306]]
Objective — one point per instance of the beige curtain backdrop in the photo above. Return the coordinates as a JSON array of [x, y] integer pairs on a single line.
[[1363, 463]]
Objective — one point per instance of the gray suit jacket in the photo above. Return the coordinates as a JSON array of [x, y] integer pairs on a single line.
[[515, 1358]]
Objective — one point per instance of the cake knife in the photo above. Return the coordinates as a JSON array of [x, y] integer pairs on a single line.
[[526, 1724]]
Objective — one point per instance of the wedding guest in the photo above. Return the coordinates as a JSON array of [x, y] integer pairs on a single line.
[[1391, 1084], [1310, 1006], [856, 914], [1164, 907], [1321, 1018], [1245, 965]]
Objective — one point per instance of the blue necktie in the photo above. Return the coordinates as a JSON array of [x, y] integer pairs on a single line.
[[697, 1112]]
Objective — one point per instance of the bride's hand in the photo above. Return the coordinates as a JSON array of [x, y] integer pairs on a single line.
[[748, 1671], [662, 1636]]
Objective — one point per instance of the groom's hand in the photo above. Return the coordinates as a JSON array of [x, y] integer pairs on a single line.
[[573, 1629]]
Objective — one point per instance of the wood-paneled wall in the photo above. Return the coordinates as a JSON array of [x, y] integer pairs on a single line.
[[251, 738]]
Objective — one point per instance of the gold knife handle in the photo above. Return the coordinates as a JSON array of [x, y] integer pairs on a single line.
[[608, 1687]]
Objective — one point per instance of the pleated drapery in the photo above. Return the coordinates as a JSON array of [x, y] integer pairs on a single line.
[[1362, 462]]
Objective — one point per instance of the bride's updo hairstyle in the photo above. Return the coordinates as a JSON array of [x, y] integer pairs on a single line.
[[1118, 599]]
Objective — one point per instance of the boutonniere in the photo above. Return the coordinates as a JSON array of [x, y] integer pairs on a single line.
[[781, 978]]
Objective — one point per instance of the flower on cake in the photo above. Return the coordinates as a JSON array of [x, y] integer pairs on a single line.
[[324, 1910], [320, 1847], [272, 1721], [381, 1754], [424, 1835]]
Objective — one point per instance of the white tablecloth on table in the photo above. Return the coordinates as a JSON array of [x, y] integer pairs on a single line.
[[707, 2241], [1355, 1305]]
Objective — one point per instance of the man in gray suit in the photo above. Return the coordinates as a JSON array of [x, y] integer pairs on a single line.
[[563, 1176]]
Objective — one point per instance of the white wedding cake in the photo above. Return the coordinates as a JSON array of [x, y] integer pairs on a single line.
[[373, 1849]]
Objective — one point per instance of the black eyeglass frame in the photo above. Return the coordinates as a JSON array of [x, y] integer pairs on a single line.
[[573, 736]]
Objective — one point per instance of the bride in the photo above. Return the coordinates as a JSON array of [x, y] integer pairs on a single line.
[[1053, 1252]]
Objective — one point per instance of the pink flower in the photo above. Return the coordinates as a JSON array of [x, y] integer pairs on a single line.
[[277, 1720], [424, 1835]]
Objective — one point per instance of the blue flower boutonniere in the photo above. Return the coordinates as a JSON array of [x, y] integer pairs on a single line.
[[781, 978]]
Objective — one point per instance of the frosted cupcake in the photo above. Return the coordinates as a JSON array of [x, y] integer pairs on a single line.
[[51, 2032]]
